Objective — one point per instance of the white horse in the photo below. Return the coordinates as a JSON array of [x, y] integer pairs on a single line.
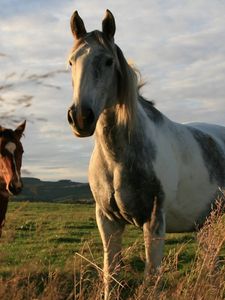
[[142, 161]]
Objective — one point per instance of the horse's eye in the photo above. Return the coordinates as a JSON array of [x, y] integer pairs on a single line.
[[109, 62], [70, 63]]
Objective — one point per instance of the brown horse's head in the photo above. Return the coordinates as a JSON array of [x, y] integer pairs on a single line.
[[11, 151]]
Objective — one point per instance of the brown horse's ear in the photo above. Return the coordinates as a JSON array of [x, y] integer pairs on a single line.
[[109, 25], [77, 26], [20, 129]]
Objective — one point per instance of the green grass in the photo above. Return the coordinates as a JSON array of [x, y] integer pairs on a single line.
[[52, 233], [45, 233], [40, 242]]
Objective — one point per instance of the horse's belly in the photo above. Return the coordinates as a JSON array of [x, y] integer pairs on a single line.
[[189, 210]]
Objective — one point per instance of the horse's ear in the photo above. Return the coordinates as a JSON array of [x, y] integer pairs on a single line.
[[20, 129], [109, 25], [77, 26]]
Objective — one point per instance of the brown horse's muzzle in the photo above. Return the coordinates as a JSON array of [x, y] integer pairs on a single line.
[[15, 188]]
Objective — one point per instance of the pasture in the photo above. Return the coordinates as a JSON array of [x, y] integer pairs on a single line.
[[53, 251]]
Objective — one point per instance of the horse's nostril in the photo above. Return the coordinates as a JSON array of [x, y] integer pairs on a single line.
[[70, 117], [89, 116], [19, 190]]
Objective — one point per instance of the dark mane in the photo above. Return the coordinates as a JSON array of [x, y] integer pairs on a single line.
[[149, 102], [149, 106]]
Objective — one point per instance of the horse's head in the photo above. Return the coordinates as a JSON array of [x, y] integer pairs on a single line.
[[99, 74], [93, 63], [11, 151]]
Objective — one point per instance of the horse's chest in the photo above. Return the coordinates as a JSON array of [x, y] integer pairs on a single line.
[[127, 194]]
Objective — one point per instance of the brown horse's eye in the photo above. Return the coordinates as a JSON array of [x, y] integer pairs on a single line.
[[70, 63], [109, 62]]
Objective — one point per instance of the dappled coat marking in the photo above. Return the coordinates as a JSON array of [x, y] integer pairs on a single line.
[[145, 169], [11, 151]]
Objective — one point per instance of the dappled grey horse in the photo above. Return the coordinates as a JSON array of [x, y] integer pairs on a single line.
[[145, 169]]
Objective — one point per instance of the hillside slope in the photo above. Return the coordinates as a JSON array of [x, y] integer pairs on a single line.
[[61, 191]]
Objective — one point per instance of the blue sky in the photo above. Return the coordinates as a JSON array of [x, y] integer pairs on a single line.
[[178, 46]]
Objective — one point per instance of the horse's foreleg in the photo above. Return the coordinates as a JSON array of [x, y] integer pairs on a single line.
[[111, 235], [154, 237]]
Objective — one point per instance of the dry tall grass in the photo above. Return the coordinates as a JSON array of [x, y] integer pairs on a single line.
[[205, 280]]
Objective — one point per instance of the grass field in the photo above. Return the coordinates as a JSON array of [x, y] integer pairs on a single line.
[[53, 251]]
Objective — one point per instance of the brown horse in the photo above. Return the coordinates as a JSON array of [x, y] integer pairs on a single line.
[[11, 151]]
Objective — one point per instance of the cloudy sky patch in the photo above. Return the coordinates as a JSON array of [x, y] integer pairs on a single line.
[[178, 46]]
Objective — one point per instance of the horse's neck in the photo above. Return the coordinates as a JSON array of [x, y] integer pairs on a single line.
[[118, 140], [3, 191], [2, 184], [4, 198]]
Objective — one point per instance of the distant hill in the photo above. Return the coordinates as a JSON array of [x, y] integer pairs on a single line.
[[64, 191]]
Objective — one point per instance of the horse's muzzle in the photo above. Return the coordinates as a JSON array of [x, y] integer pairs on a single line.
[[15, 188], [81, 121]]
